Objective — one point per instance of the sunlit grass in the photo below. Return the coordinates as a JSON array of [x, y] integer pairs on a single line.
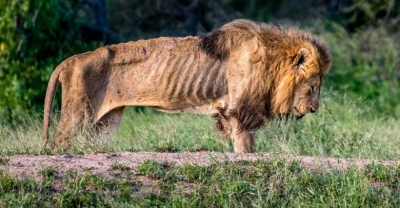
[[149, 131], [22, 137], [341, 128]]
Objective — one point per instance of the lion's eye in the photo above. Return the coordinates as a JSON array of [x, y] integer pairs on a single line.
[[312, 89]]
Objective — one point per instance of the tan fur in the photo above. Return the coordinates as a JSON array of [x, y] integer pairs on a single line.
[[244, 74]]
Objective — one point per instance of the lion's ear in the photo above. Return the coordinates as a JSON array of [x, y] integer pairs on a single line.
[[301, 57]]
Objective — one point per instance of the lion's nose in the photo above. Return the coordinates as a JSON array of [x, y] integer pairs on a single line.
[[312, 109]]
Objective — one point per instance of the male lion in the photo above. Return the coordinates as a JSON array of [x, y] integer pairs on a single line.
[[244, 74]]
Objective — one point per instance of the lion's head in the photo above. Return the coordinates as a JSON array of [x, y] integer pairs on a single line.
[[306, 96], [299, 89]]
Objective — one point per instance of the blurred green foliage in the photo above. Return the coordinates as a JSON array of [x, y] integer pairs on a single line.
[[366, 65], [372, 12], [36, 35], [366, 57]]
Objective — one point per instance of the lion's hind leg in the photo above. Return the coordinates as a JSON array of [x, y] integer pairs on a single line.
[[69, 125], [222, 128], [108, 125]]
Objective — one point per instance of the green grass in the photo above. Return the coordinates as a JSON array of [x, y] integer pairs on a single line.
[[161, 132], [22, 137], [343, 127], [275, 183]]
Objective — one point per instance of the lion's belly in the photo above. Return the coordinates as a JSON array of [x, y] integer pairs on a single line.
[[206, 108], [203, 109]]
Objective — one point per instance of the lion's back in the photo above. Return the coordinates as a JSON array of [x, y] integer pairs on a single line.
[[169, 73]]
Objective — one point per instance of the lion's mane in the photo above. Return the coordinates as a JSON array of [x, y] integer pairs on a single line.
[[271, 75]]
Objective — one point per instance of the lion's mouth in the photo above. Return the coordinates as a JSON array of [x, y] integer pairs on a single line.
[[298, 117], [287, 116], [297, 114], [283, 116]]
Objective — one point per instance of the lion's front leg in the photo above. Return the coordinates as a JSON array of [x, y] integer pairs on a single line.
[[243, 140]]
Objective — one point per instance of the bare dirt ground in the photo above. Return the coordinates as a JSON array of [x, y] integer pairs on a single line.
[[30, 166]]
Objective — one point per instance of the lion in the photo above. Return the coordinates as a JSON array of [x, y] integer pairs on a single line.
[[244, 74]]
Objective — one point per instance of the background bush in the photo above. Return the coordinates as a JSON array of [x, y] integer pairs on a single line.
[[36, 35], [366, 65]]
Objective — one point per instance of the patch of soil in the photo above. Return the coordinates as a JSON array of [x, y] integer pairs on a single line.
[[30, 166]]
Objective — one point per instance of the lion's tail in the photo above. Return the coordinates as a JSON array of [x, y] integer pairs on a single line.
[[218, 43], [48, 103]]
